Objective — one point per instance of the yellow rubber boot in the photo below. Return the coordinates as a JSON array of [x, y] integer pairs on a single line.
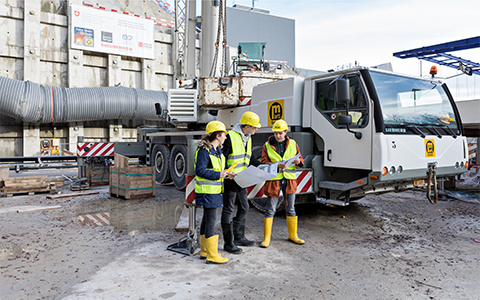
[[203, 247], [292, 230], [267, 232], [213, 257]]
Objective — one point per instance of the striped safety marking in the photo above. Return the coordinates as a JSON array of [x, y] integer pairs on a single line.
[[245, 101], [304, 185], [190, 189], [98, 219], [95, 149]]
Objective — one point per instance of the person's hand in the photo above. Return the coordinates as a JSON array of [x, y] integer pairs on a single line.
[[282, 166], [223, 173], [297, 161], [231, 175]]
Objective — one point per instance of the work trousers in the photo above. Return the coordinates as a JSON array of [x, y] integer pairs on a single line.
[[289, 204], [208, 222], [230, 199]]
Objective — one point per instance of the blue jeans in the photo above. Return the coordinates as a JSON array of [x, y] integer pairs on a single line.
[[289, 204]]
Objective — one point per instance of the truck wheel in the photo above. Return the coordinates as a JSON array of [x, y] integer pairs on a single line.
[[178, 166], [161, 159]]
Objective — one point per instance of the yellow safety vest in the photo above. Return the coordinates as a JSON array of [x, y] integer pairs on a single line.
[[239, 154], [207, 186], [291, 151]]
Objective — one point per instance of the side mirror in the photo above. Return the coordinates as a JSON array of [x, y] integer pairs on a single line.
[[343, 90], [344, 120], [347, 121]]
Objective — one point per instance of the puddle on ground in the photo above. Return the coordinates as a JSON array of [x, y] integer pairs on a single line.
[[131, 216]]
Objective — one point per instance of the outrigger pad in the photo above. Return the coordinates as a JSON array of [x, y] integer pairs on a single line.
[[188, 245]]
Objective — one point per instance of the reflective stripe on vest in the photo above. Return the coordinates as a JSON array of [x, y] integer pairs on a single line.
[[291, 151], [239, 155], [207, 186]]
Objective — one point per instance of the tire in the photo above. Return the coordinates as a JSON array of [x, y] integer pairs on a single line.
[[178, 166], [161, 160]]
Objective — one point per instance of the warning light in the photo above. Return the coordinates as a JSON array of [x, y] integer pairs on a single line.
[[384, 171], [433, 71]]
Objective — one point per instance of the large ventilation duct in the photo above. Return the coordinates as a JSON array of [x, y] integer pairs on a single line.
[[31, 102]]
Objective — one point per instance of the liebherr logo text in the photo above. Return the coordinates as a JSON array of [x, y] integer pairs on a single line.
[[402, 130]]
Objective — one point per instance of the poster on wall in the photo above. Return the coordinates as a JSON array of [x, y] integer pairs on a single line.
[[108, 32]]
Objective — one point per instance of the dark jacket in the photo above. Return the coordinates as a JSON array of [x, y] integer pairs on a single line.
[[230, 184], [204, 162]]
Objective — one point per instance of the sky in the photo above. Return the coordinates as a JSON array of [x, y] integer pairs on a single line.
[[332, 33]]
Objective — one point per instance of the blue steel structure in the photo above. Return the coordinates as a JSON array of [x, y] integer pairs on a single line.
[[438, 54]]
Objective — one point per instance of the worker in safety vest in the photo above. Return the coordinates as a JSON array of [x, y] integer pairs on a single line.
[[278, 149], [238, 151], [209, 175]]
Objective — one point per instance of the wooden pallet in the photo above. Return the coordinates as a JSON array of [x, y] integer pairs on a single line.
[[28, 185], [131, 181]]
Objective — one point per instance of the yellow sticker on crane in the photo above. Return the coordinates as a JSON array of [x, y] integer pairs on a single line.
[[232, 167], [430, 148], [275, 111]]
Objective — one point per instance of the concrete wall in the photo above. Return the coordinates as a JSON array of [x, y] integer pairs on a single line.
[[35, 47]]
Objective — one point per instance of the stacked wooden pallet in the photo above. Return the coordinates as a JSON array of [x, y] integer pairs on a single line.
[[97, 174], [131, 181], [29, 185]]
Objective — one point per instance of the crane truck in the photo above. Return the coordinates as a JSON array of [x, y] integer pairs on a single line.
[[361, 131]]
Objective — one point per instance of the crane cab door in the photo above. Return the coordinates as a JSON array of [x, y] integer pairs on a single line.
[[342, 148]]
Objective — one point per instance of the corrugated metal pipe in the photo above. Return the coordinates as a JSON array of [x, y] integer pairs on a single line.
[[31, 102]]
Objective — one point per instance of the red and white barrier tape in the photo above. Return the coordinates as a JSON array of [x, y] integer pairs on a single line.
[[160, 22]]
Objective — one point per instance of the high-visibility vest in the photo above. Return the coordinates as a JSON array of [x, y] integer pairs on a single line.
[[239, 154], [291, 151], [207, 186]]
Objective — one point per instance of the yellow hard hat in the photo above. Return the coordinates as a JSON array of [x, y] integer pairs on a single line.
[[280, 125], [213, 126], [250, 118]]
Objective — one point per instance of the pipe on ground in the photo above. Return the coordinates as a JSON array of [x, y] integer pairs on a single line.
[[34, 103]]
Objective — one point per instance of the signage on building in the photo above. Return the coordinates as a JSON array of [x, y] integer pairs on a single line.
[[109, 32]]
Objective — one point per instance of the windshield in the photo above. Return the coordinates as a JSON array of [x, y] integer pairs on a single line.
[[408, 101]]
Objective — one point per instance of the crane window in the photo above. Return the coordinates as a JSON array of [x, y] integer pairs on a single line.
[[327, 104]]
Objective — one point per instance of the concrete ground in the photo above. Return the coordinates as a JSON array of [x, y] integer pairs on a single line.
[[392, 246]]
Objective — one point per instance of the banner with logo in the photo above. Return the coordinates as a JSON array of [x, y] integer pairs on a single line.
[[109, 32]]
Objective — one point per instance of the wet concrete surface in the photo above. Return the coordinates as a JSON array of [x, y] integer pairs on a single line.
[[391, 246]]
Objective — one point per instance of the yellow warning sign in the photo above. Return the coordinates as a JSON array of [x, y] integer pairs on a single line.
[[275, 111], [430, 148]]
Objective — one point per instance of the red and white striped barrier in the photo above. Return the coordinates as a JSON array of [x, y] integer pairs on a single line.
[[98, 219], [95, 149], [304, 185], [190, 189], [160, 22]]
